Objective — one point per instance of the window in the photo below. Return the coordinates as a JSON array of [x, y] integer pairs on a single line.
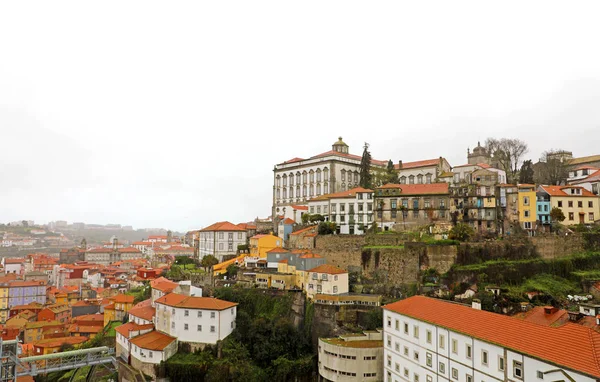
[[518, 369], [571, 216], [526, 212], [500, 363], [212, 314], [469, 351], [428, 176], [405, 328], [591, 204], [454, 373], [416, 355], [324, 277], [150, 354], [442, 367], [185, 326], [406, 351], [172, 325], [469, 378], [416, 331], [173, 311], [454, 346], [389, 341], [406, 372], [221, 235], [335, 289], [199, 328], [429, 378], [397, 346], [199, 314], [411, 179], [525, 200], [186, 313], [416, 377], [580, 204], [428, 359], [397, 367], [419, 179], [397, 324], [484, 357], [591, 217], [389, 361], [570, 203], [560, 204], [540, 375], [428, 336]]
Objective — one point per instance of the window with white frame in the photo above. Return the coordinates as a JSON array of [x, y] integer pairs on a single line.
[[455, 346], [454, 373], [468, 351], [518, 369], [442, 341], [484, 357]]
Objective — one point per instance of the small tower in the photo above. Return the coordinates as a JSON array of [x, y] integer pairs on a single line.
[[83, 244], [479, 155], [340, 146]]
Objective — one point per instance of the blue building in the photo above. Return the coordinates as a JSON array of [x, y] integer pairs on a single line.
[[543, 209]]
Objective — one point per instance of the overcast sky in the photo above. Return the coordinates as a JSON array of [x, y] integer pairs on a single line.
[[172, 114]]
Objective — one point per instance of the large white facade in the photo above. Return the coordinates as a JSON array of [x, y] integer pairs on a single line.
[[416, 350], [298, 180], [220, 240], [352, 213], [204, 326]]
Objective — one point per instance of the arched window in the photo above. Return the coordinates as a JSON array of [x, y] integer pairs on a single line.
[[298, 191], [291, 192], [343, 177], [356, 177], [326, 174], [291, 177], [298, 177], [402, 180], [411, 179], [318, 189], [278, 194], [304, 177], [304, 191], [326, 188], [278, 181], [312, 176], [284, 181], [420, 179], [428, 178], [285, 193], [318, 175]]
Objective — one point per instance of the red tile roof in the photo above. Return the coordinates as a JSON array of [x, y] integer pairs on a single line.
[[420, 163], [57, 342], [288, 221], [418, 189], [301, 208], [329, 269], [538, 316], [164, 285], [192, 302], [593, 177], [278, 250], [572, 346], [125, 328], [311, 256], [123, 299], [560, 191], [222, 226], [153, 341], [311, 228], [143, 312]]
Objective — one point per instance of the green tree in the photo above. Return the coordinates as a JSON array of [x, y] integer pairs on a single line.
[[526, 173], [557, 215], [461, 232], [327, 228], [208, 262], [391, 173], [184, 260], [365, 168], [232, 270], [305, 218], [316, 218]]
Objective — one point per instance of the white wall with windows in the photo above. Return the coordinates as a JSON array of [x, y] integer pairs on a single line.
[[352, 215], [418, 351], [195, 325], [220, 243], [325, 283]]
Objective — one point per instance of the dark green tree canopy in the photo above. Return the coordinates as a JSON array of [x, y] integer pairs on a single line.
[[365, 168], [526, 173]]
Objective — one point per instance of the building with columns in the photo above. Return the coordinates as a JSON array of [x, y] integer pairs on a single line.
[[297, 180]]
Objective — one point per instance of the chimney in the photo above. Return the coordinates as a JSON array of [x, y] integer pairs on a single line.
[[550, 310], [476, 304], [400, 164]]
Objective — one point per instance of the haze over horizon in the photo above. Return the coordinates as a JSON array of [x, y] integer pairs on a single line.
[[173, 115]]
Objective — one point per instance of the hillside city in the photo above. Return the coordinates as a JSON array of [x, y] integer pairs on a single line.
[[363, 269]]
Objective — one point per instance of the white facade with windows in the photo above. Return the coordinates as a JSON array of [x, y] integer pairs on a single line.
[[221, 240], [196, 325], [326, 279], [418, 351], [297, 180], [351, 357], [351, 211]]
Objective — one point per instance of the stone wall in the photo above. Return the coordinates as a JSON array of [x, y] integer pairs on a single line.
[[341, 250], [552, 246]]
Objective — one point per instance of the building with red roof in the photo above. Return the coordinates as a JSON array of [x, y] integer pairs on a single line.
[[411, 204], [457, 341], [221, 240], [326, 279], [199, 320], [579, 205], [351, 210]]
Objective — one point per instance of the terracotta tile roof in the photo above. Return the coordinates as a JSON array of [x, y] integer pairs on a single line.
[[593, 177], [143, 312], [278, 250], [572, 346], [418, 189], [539, 316], [57, 342], [222, 226], [192, 302], [98, 317], [301, 208], [153, 341], [560, 191], [304, 230], [76, 328], [329, 269], [420, 163], [125, 328], [342, 194], [41, 324], [164, 285], [284, 261], [288, 221], [26, 283], [123, 299], [311, 256], [294, 160], [586, 168], [12, 260], [345, 155]]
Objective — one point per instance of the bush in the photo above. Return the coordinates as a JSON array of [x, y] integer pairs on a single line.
[[461, 232], [327, 228]]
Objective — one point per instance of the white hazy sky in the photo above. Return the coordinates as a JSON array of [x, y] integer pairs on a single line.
[[172, 114]]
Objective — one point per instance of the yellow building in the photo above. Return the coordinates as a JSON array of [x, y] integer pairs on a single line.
[[36, 331], [283, 281], [527, 206], [3, 303], [261, 244], [578, 205]]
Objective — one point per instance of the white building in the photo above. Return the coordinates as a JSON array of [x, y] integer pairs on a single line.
[[429, 340], [297, 180], [580, 173], [421, 172], [590, 182], [326, 279], [351, 211], [200, 320], [221, 239], [352, 357]]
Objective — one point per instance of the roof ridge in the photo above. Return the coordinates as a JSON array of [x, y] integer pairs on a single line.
[[595, 341]]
